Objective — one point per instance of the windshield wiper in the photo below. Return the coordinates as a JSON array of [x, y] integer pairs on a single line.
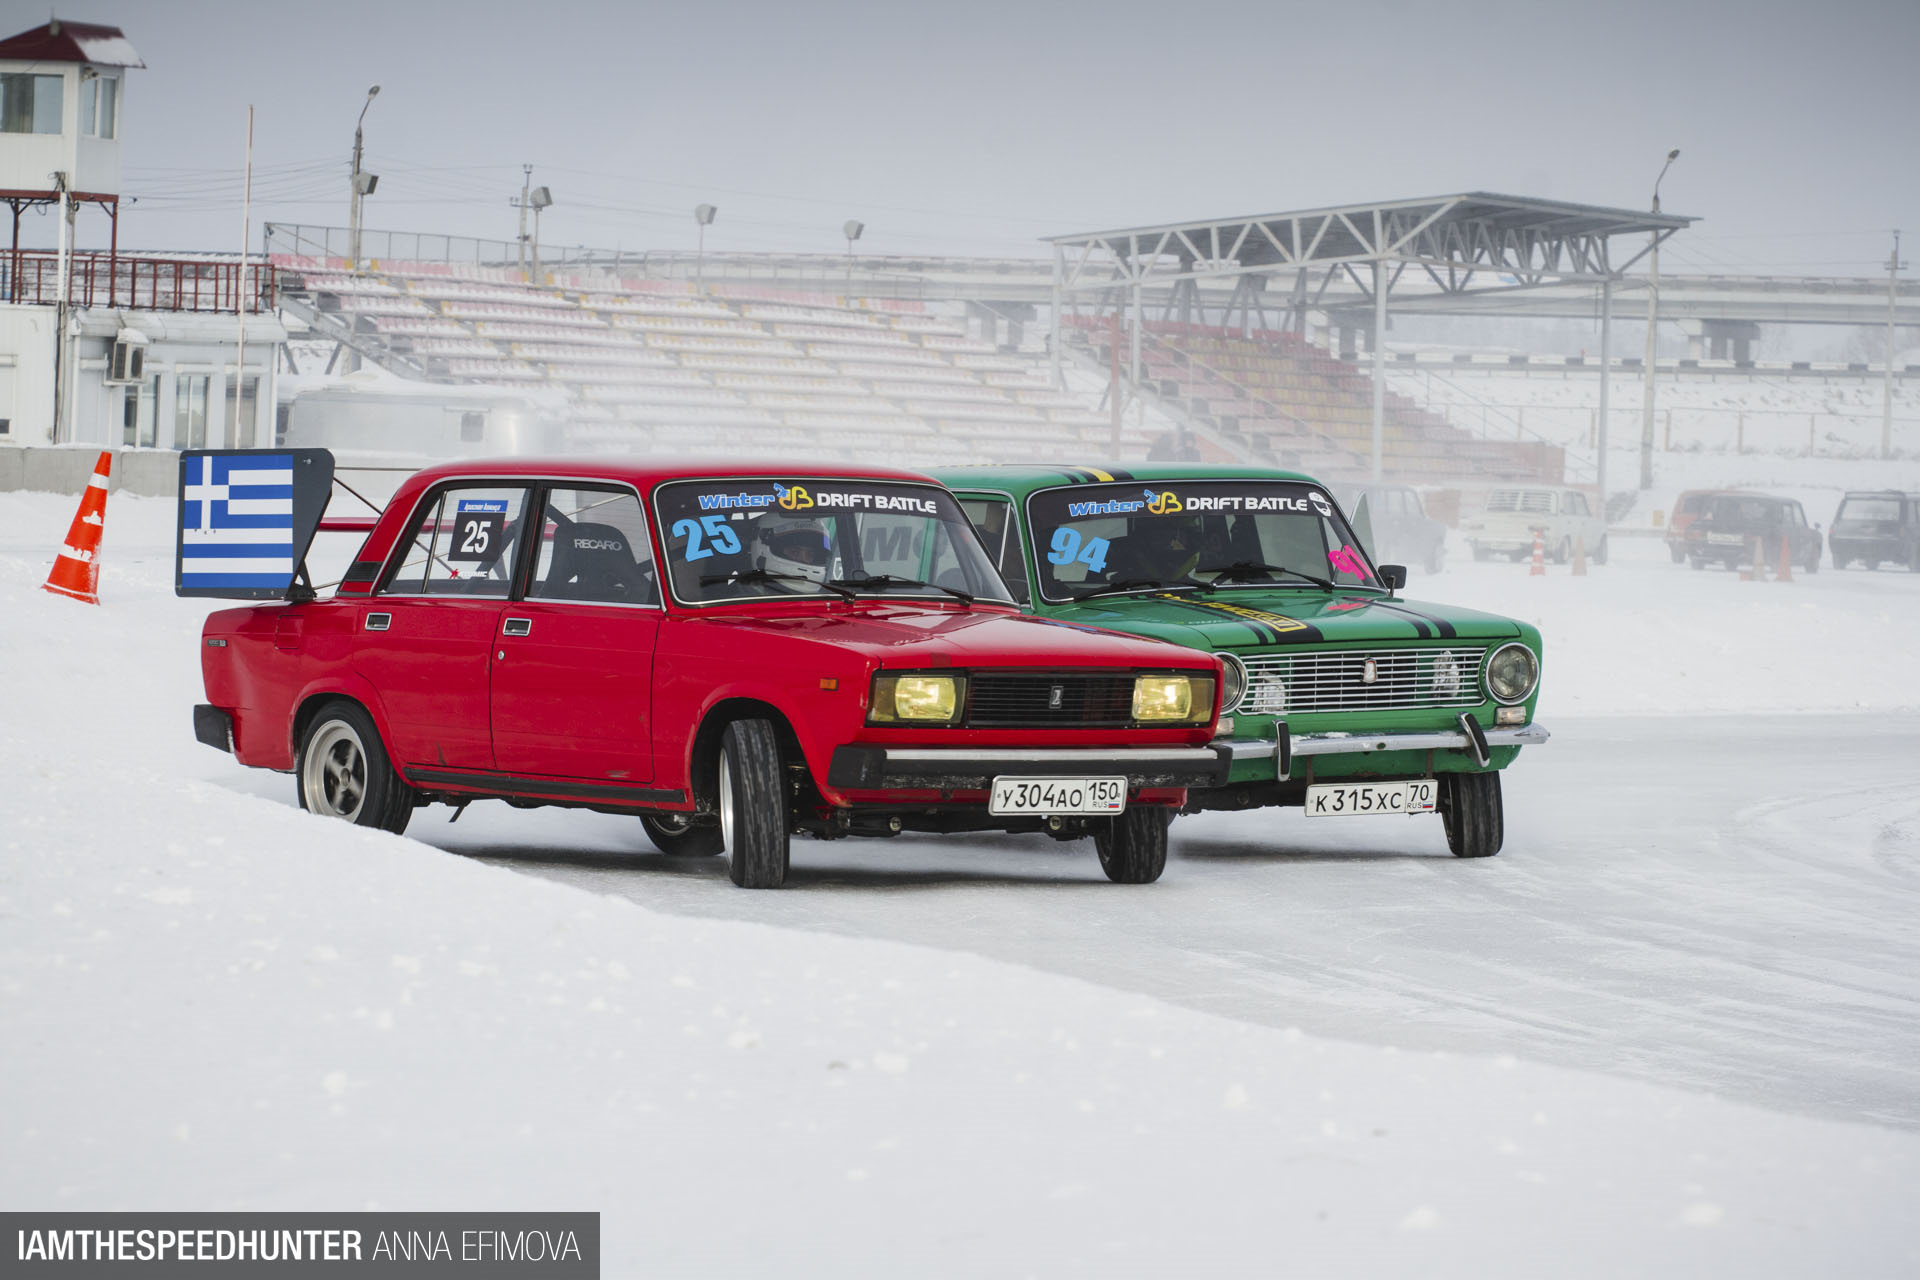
[[1248, 570], [893, 580], [766, 575], [1135, 584]]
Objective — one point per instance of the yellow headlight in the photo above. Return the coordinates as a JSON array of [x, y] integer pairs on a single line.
[[1163, 698], [920, 698]]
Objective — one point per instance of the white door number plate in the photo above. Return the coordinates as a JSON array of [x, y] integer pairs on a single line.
[[1058, 795], [1345, 800]]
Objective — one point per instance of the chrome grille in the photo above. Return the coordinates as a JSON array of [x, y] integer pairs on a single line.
[[1006, 700], [1334, 680]]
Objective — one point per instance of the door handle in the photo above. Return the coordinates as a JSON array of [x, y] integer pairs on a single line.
[[518, 627], [379, 621]]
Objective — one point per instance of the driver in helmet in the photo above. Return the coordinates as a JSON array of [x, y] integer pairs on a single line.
[[784, 544]]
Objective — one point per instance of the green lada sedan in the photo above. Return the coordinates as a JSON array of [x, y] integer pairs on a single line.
[[1342, 697]]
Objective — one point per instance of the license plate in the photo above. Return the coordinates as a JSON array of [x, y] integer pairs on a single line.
[[1058, 795], [1726, 540], [1346, 800]]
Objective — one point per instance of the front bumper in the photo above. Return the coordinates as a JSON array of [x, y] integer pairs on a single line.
[[1285, 746], [872, 768]]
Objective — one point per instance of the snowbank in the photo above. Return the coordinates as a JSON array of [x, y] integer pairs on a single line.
[[209, 1000]]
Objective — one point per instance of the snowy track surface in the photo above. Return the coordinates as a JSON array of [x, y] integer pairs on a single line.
[[1670, 1031]]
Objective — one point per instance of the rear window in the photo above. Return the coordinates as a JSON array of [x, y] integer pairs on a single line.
[[1878, 508], [1690, 504], [1535, 501]]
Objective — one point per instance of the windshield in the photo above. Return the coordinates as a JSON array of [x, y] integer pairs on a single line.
[[744, 539], [1887, 508], [1193, 535]]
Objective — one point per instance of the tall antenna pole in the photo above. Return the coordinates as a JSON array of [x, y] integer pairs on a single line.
[[1886, 403], [240, 297]]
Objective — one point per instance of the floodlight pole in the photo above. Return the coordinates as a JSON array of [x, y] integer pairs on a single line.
[[526, 190], [1606, 376], [1886, 401], [353, 222], [1653, 321], [1379, 362]]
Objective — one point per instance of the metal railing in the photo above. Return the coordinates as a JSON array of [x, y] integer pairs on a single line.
[[32, 277]]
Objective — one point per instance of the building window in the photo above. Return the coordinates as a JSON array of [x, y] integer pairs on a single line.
[[30, 103], [190, 411], [138, 428], [99, 99]]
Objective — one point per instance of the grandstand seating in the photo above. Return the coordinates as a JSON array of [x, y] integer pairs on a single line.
[[1297, 405], [660, 367]]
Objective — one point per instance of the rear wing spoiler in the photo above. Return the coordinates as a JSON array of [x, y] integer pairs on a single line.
[[247, 519]]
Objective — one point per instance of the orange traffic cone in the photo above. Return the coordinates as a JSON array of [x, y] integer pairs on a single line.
[[1579, 557], [1539, 569], [76, 572], [1785, 572]]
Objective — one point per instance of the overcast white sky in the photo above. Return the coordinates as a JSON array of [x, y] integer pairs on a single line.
[[978, 127]]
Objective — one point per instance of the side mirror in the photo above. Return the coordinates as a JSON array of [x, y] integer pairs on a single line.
[[1393, 576]]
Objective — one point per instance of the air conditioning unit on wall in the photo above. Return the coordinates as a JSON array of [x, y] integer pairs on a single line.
[[129, 360]]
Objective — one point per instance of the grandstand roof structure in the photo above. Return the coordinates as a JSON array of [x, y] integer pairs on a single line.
[[1455, 245], [1454, 238]]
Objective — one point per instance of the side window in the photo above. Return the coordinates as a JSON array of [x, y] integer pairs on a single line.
[[463, 544], [1577, 504], [594, 547], [993, 520]]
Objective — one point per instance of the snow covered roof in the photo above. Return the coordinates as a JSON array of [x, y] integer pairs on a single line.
[[61, 41]]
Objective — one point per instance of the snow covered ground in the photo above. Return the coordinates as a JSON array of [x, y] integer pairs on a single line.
[[1672, 1030]]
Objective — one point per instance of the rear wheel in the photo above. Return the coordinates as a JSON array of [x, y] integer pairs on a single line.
[[1470, 811], [678, 836], [1813, 561], [343, 772], [1133, 845], [753, 808], [1600, 552], [1678, 553]]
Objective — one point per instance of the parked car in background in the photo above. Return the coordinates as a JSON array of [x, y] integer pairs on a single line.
[[1877, 527], [1401, 531], [732, 654], [1342, 697], [1506, 525], [1688, 507], [1737, 526]]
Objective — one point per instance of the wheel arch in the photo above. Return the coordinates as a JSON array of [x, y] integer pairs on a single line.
[[703, 756], [311, 701]]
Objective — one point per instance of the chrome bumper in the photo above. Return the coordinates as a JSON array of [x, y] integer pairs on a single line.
[[1470, 737]]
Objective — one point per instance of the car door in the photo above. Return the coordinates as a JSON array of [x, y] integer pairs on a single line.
[[424, 640], [572, 685]]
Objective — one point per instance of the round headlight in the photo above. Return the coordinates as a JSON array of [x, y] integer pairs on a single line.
[[1236, 682], [1512, 672]]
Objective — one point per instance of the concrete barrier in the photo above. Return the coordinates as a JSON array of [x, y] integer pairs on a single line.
[[66, 468]]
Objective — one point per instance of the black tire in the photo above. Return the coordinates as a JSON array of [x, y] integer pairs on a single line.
[[343, 771], [1600, 552], [1471, 812], [1437, 558], [1563, 552], [1698, 562], [1678, 553], [1133, 846], [1813, 561], [678, 835], [753, 805], [1872, 565]]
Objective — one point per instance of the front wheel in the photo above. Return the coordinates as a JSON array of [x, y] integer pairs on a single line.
[[678, 836], [1133, 845], [1470, 811], [1600, 552], [753, 808], [1563, 552], [1813, 561], [343, 772]]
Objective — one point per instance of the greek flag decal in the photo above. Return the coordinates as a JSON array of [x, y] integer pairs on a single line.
[[246, 519]]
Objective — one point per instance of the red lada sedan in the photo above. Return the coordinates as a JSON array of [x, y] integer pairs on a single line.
[[734, 657]]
